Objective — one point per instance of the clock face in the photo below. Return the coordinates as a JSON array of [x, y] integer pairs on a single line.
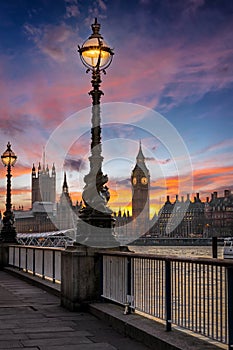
[[134, 181], [144, 181]]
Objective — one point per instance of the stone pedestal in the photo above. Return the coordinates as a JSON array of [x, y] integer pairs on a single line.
[[4, 253], [80, 277], [96, 232]]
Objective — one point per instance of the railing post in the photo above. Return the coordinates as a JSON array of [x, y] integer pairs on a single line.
[[33, 261], [26, 260], [54, 274], [14, 257], [43, 276], [230, 307], [4, 254], [129, 296], [19, 258], [101, 275], [215, 247], [168, 315]]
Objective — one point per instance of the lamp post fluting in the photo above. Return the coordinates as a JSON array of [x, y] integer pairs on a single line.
[[8, 231], [96, 56]]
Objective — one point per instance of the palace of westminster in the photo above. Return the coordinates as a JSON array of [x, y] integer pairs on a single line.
[[182, 218]]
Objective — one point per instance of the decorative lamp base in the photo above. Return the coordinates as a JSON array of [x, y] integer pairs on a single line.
[[8, 234], [96, 229]]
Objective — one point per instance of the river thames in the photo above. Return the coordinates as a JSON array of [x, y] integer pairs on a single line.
[[181, 251]]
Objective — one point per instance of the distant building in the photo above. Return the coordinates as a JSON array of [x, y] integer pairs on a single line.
[[183, 218], [43, 184], [67, 213], [196, 218], [37, 219], [140, 182], [219, 215], [45, 214], [42, 215]]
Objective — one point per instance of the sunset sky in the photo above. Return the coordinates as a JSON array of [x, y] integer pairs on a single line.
[[170, 85]]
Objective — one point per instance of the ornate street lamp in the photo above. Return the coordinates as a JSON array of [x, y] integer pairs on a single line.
[[8, 232], [96, 56]]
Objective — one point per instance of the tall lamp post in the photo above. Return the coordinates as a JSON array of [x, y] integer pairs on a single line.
[[96, 56], [8, 232]]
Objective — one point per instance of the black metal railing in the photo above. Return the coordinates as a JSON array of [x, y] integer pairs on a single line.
[[194, 294], [38, 261]]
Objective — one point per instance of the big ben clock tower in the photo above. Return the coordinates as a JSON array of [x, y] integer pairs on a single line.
[[140, 180]]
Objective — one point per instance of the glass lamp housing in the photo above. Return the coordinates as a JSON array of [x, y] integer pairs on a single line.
[[8, 157], [95, 52]]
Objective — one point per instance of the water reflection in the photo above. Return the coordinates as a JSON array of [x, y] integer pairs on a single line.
[[182, 251]]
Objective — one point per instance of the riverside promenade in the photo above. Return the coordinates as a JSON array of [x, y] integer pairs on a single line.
[[32, 319]]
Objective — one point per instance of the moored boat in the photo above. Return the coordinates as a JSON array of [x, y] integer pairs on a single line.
[[228, 248]]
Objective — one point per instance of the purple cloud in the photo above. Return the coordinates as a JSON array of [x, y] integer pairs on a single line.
[[74, 164]]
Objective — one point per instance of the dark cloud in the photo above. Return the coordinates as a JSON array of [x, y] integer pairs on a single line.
[[124, 181], [158, 188], [160, 161], [164, 161], [72, 9], [11, 127], [51, 39], [74, 164], [119, 130], [18, 124]]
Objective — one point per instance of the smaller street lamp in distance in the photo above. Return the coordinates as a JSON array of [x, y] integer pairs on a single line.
[[8, 233]]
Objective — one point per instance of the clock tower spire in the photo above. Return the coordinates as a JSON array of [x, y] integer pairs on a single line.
[[140, 181]]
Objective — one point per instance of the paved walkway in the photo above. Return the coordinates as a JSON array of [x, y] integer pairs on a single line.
[[32, 318]]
